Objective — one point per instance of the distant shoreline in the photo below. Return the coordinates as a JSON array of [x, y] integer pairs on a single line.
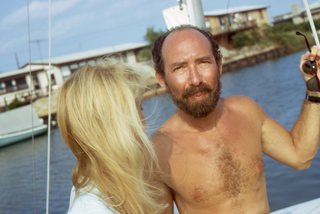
[[254, 56]]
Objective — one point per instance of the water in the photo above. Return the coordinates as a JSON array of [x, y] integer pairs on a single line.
[[23, 176], [276, 85]]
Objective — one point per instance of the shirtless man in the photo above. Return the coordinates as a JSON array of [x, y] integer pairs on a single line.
[[210, 151]]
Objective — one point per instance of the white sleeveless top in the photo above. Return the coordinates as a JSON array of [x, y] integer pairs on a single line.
[[88, 202]]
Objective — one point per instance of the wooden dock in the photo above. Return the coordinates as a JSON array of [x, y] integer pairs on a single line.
[[253, 57]]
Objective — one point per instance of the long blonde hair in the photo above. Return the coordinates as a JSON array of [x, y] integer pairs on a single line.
[[100, 123]]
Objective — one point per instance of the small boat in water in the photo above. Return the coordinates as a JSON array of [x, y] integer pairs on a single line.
[[20, 124], [308, 207]]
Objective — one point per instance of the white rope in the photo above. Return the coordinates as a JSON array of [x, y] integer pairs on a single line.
[[313, 28], [31, 90], [49, 111]]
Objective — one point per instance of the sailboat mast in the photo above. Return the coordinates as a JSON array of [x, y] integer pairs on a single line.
[[195, 13]]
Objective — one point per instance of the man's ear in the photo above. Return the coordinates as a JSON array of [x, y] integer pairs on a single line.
[[160, 78], [220, 66]]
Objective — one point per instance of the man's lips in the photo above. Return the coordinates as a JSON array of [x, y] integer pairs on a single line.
[[199, 94]]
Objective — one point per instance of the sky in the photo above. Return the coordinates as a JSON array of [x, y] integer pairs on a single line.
[[80, 25]]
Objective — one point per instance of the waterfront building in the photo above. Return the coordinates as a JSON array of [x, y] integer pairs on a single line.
[[298, 15], [32, 80], [226, 23]]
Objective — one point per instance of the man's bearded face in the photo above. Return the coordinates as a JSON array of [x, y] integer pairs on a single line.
[[198, 108]]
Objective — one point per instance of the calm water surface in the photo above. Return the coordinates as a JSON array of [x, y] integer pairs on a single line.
[[276, 85]]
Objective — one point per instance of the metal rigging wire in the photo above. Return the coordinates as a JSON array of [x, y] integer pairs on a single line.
[[49, 110], [31, 91]]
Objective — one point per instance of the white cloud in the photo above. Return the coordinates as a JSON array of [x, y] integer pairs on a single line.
[[18, 42], [71, 25], [61, 6], [38, 10]]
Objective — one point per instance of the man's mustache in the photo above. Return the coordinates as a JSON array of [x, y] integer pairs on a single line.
[[196, 89]]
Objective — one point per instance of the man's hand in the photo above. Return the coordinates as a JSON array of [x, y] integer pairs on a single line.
[[309, 67]]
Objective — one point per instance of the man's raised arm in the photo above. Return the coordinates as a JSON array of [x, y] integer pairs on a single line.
[[298, 147]]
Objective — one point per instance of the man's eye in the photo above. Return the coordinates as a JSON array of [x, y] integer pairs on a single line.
[[177, 68]]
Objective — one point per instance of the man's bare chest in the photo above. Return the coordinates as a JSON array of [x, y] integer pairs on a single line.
[[213, 168]]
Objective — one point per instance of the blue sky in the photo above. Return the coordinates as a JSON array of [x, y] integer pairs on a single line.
[[79, 25]]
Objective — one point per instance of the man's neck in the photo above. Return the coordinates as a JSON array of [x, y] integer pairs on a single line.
[[201, 124]]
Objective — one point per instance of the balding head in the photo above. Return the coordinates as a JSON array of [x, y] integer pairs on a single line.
[[158, 46]]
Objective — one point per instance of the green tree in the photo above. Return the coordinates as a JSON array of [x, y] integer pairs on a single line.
[[240, 40], [144, 54], [284, 35], [248, 38], [151, 35]]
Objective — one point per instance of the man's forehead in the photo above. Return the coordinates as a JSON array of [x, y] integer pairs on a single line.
[[186, 39], [183, 32]]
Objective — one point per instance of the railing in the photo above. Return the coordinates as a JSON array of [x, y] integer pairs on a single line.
[[22, 96]]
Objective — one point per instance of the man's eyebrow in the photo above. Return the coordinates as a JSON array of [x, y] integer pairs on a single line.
[[204, 58], [176, 64]]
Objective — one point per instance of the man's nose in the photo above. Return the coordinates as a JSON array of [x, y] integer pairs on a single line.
[[194, 76]]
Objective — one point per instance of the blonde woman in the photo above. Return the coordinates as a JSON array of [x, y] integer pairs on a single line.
[[100, 120]]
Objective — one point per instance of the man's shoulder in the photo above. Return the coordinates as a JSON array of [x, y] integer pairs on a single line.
[[163, 139], [160, 136], [240, 101], [239, 98], [165, 130], [245, 105]]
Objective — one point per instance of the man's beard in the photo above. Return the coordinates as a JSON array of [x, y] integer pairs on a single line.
[[200, 108]]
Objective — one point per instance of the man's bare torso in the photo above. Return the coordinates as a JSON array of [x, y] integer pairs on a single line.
[[219, 170]]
